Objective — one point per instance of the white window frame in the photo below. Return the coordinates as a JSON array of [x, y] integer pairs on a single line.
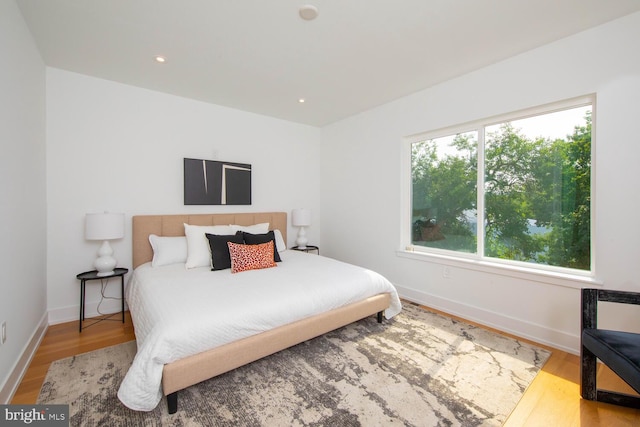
[[477, 261]]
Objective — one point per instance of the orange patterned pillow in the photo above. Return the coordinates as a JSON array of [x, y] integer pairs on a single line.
[[251, 257]]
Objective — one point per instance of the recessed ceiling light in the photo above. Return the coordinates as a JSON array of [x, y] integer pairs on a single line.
[[160, 59], [308, 12], [301, 100]]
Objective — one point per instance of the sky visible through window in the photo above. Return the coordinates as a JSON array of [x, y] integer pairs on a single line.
[[557, 125], [553, 125]]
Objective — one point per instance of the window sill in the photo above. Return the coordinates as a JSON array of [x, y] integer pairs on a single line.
[[531, 274]]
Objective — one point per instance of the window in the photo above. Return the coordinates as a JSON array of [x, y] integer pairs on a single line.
[[516, 189]]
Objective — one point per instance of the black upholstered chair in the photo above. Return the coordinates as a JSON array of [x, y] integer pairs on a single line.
[[619, 350]]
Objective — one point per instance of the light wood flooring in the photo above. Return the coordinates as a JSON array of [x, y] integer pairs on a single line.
[[553, 399]]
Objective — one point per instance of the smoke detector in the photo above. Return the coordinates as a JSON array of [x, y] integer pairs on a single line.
[[308, 12]]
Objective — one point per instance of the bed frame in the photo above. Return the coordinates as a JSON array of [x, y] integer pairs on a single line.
[[191, 370]]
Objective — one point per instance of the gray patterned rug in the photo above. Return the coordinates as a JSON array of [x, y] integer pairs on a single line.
[[418, 369]]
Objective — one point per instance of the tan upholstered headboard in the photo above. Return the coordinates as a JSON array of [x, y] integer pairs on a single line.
[[173, 225]]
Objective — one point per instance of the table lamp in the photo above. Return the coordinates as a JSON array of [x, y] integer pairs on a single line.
[[301, 218], [104, 226]]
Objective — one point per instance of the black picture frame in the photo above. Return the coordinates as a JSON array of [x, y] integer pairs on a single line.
[[211, 182]]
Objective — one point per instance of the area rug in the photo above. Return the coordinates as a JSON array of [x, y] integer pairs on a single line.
[[418, 369]]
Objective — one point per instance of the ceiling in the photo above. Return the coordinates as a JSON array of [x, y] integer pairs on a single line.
[[260, 56]]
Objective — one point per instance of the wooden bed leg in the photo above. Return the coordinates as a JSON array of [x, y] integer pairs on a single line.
[[380, 317], [172, 402]]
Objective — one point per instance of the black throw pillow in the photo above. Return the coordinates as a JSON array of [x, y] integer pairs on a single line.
[[256, 239], [220, 258]]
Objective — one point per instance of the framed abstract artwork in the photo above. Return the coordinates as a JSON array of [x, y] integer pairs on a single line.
[[210, 182]]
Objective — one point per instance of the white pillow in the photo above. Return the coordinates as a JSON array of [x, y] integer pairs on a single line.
[[168, 250], [253, 229], [198, 252], [280, 244]]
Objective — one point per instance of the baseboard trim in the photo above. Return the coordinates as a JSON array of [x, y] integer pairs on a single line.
[[518, 327], [20, 368], [72, 313]]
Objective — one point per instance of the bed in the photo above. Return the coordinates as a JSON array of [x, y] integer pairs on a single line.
[[232, 319]]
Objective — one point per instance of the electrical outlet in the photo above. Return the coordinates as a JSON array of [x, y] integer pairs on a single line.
[[446, 272], [4, 332]]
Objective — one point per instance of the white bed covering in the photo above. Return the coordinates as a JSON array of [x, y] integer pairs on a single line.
[[179, 313]]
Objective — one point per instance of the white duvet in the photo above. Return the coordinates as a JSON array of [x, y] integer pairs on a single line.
[[178, 312]]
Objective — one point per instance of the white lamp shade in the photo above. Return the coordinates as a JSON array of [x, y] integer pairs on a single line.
[[104, 226], [301, 217]]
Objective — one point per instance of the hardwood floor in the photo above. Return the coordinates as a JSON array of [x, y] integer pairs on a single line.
[[553, 399], [64, 340]]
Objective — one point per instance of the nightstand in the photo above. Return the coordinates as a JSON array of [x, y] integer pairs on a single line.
[[308, 249], [93, 275]]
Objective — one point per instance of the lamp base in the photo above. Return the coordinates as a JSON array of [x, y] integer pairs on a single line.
[[105, 263], [105, 273], [302, 240]]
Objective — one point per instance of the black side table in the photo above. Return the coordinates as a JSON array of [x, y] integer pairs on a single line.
[[308, 249], [93, 275]]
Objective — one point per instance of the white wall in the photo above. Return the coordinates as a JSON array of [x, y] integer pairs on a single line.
[[23, 235], [120, 148], [362, 188]]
